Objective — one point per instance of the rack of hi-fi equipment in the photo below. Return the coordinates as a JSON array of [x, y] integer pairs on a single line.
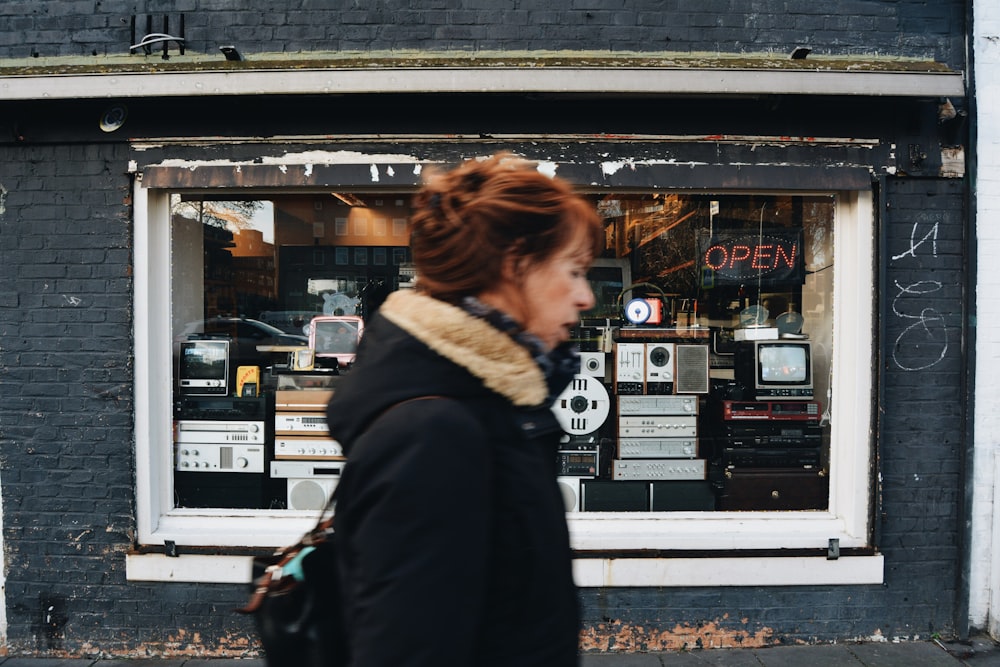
[[770, 430], [222, 451], [631, 421], [251, 440]]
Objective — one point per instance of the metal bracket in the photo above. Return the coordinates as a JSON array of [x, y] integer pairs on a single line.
[[833, 549]]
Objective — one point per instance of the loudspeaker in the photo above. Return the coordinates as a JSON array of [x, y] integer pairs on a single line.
[[311, 493], [660, 362], [692, 369], [569, 487], [682, 496], [610, 496]]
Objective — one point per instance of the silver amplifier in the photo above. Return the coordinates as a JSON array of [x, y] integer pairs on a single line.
[[657, 448], [657, 405], [221, 432], [660, 426], [308, 449], [210, 457], [300, 423], [659, 469]]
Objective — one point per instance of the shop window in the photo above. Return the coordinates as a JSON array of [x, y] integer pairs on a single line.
[[723, 403]]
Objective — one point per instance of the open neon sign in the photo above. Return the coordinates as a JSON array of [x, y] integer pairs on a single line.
[[772, 256]]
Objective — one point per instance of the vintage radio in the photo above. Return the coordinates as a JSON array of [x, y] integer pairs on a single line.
[[221, 432], [300, 423], [310, 483]]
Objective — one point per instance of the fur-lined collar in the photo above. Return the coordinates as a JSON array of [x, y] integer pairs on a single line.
[[474, 344]]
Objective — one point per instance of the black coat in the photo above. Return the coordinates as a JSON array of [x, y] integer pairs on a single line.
[[452, 531]]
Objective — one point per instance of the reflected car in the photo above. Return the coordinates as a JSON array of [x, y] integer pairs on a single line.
[[245, 335]]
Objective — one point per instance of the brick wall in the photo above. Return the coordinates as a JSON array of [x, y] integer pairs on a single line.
[[914, 28]]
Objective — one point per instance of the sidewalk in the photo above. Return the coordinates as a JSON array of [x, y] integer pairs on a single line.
[[978, 652]]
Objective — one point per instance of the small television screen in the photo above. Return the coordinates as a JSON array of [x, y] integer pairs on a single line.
[[336, 337], [768, 369], [204, 367], [783, 364]]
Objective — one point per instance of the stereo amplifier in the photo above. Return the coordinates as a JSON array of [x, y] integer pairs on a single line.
[[658, 405], [317, 449], [658, 427], [657, 448], [658, 469], [207, 457]]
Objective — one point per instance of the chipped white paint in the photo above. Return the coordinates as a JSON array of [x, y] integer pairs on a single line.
[[548, 168], [374, 173]]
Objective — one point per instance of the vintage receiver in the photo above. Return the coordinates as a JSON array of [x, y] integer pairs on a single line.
[[300, 423], [658, 469], [658, 426], [207, 457], [657, 405], [220, 432], [772, 410], [773, 435], [657, 448], [307, 448], [577, 463], [773, 457]]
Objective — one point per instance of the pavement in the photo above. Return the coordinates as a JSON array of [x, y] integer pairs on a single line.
[[976, 652]]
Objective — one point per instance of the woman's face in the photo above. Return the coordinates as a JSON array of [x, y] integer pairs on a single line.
[[546, 298]]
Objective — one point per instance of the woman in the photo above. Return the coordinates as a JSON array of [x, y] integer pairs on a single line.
[[454, 545]]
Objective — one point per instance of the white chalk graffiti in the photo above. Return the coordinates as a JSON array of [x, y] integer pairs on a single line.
[[924, 341]]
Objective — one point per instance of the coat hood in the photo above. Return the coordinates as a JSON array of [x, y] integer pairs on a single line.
[[418, 346]]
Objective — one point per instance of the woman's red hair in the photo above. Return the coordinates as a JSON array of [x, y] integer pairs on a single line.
[[468, 221]]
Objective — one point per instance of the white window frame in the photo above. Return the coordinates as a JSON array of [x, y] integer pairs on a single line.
[[846, 520]]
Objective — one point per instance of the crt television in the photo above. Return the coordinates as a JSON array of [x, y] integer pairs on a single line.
[[204, 367], [780, 368], [336, 337]]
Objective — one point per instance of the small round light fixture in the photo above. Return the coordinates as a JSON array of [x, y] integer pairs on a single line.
[[113, 118]]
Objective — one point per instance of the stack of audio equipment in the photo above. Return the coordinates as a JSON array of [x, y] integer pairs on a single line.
[[304, 453], [220, 452], [658, 377], [772, 452], [582, 410]]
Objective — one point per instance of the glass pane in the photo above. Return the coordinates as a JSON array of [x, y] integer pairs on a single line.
[[706, 361]]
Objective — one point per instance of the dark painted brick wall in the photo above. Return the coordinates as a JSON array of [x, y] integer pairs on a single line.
[[848, 27]]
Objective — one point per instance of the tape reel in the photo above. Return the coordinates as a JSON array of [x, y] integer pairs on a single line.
[[583, 406]]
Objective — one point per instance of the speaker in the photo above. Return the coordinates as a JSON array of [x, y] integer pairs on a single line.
[[569, 487], [682, 496], [593, 363], [660, 362], [598, 495], [692, 369], [311, 493]]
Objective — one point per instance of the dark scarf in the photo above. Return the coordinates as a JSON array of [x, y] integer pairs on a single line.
[[558, 365]]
